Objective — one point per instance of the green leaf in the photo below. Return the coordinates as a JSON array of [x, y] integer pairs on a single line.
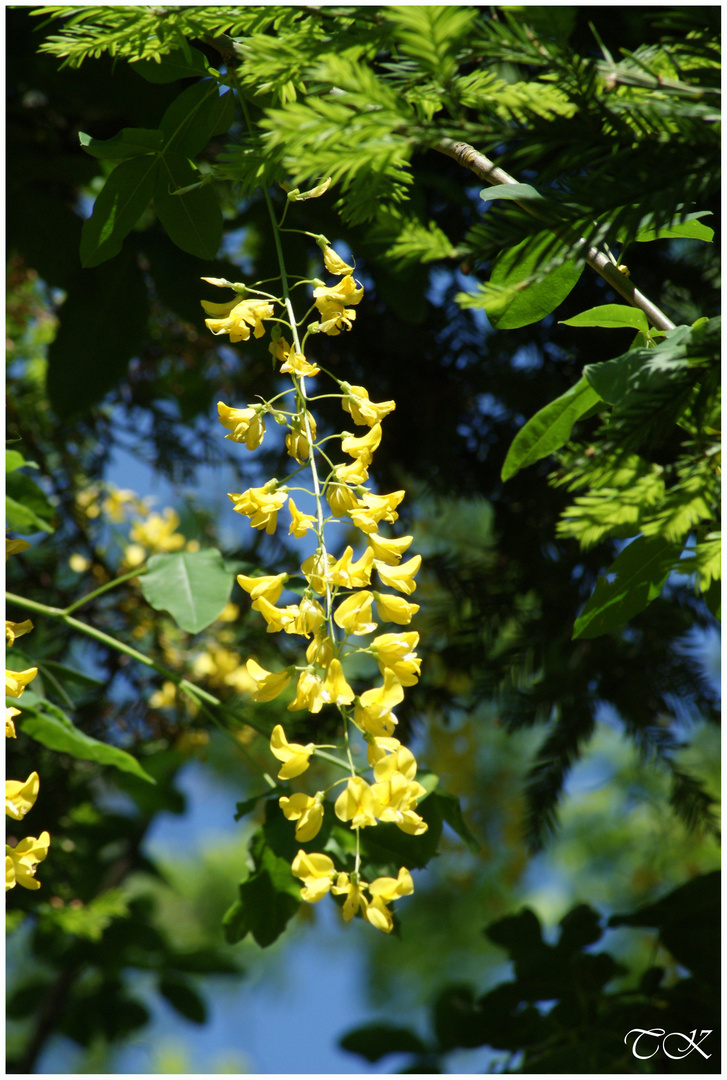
[[194, 117], [550, 428], [128, 143], [512, 191], [183, 998], [268, 898], [15, 460], [193, 220], [640, 573], [452, 814], [375, 1041], [193, 586], [611, 315], [387, 844], [87, 358], [645, 371], [179, 64], [27, 507], [690, 229], [522, 293], [121, 202], [47, 724]]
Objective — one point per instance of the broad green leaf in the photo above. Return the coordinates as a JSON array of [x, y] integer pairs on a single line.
[[549, 429], [193, 220], [193, 586], [15, 460], [26, 505], [689, 230], [640, 573], [387, 844], [375, 1041], [611, 315], [268, 899], [121, 202], [511, 191], [643, 370], [128, 143], [194, 117], [529, 294], [49, 725], [101, 328], [179, 64]]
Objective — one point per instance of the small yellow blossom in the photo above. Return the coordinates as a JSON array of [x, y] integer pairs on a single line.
[[386, 550], [118, 502], [296, 441], [295, 362], [320, 650], [334, 317], [373, 708], [268, 683], [278, 618], [341, 499], [237, 317], [78, 563], [311, 617], [383, 890], [400, 577], [356, 803], [376, 508], [261, 505], [355, 473], [10, 715], [165, 697], [395, 608], [270, 587], [22, 861], [293, 755], [355, 898], [335, 688], [16, 681], [309, 693], [354, 614], [14, 547], [306, 811], [158, 532], [317, 873], [15, 630], [20, 796], [300, 523], [245, 425], [396, 652], [334, 263], [349, 574], [343, 292], [363, 411], [395, 799], [362, 448]]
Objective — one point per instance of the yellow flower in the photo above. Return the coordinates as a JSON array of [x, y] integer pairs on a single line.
[[158, 532], [309, 693], [10, 713], [293, 755], [237, 317], [14, 547], [352, 575], [387, 761], [245, 425], [300, 523], [293, 362], [261, 505], [356, 803], [373, 708], [341, 499], [400, 577], [317, 873], [394, 608], [278, 618], [20, 795], [311, 617], [118, 501], [343, 292], [334, 316], [386, 550], [15, 630], [362, 448], [356, 473], [396, 652], [318, 570], [356, 402], [22, 861], [296, 441], [335, 688], [79, 563], [376, 508], [334, 263], [320, 650], [164, 698], [354, 614], [354, 895], [395, 799], [269, 587], [16, 681], [383, 890], [307, 811], [268, 683]]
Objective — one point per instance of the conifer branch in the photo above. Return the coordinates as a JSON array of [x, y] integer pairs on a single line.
[[486, 170]]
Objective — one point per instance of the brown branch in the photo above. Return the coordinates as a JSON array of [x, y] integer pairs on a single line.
[[486, 170]]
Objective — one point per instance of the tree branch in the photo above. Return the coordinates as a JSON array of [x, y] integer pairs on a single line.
[[486, 170]]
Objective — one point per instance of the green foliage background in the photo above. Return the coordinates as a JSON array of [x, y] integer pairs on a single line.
[[530, 453]]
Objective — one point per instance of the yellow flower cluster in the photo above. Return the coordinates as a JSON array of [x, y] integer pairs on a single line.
[[21, 859], [344, 596]]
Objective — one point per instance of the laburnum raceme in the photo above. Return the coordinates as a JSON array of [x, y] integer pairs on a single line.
[[339, 598], [22, 858]]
